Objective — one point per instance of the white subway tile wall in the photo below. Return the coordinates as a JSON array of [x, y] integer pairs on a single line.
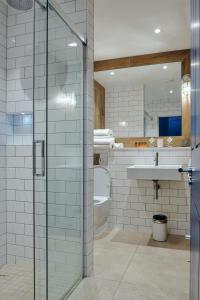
[[133, 202], [3, 132], [65, 157], [19, 136], [19, 203], [19, 61], [40, 135], [65, 148], [88, 139], [17, 143], [124, 110]]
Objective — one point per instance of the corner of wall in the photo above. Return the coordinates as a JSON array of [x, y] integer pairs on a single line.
[[88, 141]]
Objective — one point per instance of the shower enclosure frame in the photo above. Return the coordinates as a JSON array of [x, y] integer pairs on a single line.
[[56, 8]]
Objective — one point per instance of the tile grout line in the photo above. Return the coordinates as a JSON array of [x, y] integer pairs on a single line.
[[132, 256]]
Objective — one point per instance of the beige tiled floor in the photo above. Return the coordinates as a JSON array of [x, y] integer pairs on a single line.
[[16, 282], [127, 271]]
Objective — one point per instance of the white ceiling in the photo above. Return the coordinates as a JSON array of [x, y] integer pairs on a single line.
[[140, 75], [153, 77], [126, 27]]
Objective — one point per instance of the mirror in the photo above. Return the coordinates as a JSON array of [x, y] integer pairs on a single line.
[[143, 101]]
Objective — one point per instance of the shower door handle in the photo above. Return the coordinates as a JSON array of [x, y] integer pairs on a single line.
[[39, 171]]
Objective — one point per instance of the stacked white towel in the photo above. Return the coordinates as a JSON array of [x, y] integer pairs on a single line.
[[104, 137], [104, 140], [103, 132]]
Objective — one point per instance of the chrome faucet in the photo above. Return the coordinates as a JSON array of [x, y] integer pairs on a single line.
[[156, 159]]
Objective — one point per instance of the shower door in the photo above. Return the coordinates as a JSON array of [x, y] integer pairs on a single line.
[[58, 153]]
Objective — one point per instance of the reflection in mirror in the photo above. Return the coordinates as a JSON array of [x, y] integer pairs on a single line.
[[143, 101]]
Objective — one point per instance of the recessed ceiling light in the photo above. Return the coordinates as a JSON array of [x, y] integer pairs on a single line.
[[157, 30], [171, 92], [72, 44], [165, 67], [112, 73]]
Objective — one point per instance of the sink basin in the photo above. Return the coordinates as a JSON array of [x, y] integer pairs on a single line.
[[151, 172]]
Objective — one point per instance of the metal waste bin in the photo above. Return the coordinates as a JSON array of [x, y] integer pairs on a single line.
[[160, 228]]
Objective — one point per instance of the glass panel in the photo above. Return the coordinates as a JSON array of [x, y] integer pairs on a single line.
[[39, 147], [64, 157], [58, 156]]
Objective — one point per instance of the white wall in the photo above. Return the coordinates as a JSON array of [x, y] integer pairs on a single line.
[[81, 13], [19, 61], [19, 132], [19, 189], [19, 139], [3, 132], [133, 201], [124, 110]]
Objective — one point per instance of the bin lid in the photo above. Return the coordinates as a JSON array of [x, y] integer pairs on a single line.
[[159, 218]]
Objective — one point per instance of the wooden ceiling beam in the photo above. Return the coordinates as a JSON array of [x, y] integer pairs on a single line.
[[145, 60]]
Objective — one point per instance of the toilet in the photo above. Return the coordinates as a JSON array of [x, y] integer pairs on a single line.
[[102, 193]]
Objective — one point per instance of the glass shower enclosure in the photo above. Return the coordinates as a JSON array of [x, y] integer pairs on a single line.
[[57, 152]]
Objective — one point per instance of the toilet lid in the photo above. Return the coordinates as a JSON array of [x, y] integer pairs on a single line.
[[102, 182]]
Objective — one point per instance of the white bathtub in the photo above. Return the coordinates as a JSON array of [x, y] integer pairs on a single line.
[[101, 211]]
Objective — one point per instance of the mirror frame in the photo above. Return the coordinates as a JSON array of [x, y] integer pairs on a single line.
[[182, 56]]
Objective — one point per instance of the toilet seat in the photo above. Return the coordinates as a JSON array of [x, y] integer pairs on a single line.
[[102, 183], [101, 198]]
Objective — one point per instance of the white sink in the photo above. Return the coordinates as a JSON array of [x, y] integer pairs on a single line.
[[151, 172]]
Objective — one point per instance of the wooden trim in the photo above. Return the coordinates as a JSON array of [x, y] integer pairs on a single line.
[[145, 60], [150, 59], [186, 69], [99, 104]]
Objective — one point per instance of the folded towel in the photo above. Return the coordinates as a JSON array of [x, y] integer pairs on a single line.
[[104, 141], [109, 146], [118, 146], [103, 132], [100, 137]]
